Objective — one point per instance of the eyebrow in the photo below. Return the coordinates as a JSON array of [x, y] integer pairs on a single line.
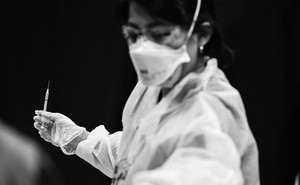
[[153, 24]]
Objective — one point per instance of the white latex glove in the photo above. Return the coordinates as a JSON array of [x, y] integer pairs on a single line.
[[57, 129]]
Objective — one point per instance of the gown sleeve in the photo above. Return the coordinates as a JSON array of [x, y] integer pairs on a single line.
[[204, 155], [100, 149]]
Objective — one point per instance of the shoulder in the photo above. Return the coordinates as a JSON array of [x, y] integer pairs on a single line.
[[216, 102]]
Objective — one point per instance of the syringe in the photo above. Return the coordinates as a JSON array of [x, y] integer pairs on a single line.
[[46, 102]]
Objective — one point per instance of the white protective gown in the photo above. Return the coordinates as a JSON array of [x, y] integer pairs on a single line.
[[196, 135]]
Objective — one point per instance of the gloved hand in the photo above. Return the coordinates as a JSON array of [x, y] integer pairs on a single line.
[[57, 129]]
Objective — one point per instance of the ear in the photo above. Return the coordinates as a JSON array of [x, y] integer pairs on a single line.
[[205, 33]]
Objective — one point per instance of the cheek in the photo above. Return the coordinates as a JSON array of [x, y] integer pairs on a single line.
[[178, 37], [176, 40]]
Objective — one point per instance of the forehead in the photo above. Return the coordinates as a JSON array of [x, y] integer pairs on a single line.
[[139, 17]]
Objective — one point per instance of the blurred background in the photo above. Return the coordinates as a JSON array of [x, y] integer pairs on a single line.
[[78, 45]]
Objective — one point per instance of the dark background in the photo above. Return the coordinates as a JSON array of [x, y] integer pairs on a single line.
[[79, 47]]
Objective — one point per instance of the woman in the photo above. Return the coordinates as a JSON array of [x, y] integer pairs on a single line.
[[183, 123]]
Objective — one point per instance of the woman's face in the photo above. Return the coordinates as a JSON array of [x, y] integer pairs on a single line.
[[159, 31]]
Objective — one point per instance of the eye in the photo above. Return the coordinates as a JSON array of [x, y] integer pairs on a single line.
[[159, 36], [131, 35]]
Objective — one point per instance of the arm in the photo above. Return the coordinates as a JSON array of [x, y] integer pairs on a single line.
[[204, 154], [215, 163], [74, 143], [97, 147], [100, 149]]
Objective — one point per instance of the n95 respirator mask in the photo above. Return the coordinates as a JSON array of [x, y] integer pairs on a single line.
[[155, 63]]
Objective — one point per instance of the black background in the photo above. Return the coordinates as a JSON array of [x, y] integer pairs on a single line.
[[79, 47]]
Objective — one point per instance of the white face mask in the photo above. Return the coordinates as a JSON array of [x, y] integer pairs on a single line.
[[155, 63]]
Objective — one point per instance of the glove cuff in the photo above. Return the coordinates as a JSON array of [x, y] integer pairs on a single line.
[[66, 149]]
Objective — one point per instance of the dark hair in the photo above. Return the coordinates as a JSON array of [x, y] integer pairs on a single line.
[[181, 12]]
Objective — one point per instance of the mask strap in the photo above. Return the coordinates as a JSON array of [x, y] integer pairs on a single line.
[[194, 20]]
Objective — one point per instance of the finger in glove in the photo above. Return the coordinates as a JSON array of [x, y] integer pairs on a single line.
[[43, 121], [45, 135], [48, 115]]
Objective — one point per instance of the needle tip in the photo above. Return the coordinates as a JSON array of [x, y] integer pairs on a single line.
[[48, 84]]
